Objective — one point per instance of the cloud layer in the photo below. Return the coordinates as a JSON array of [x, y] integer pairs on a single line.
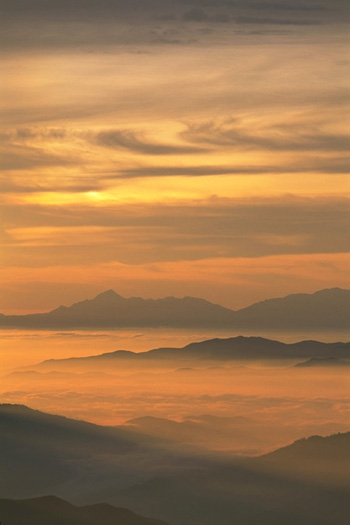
[[142, 140], [93, 23]]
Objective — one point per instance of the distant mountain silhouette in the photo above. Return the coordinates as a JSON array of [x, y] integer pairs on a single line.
[[306, 483], [109, 310], [50, 510], [206, 431], [326, 310], [323, 362], [239, 348]]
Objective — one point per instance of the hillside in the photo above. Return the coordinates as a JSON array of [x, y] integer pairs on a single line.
[[42, 453], [55, 511], [307, 482]]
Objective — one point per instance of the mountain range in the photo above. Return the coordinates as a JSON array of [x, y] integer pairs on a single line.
[[230, 349], [307, 482], [327, 309], [323, 362], [55, 511]]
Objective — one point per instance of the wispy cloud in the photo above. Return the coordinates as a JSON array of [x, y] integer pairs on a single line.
[[137, 142], [295, 136], [154, 233]]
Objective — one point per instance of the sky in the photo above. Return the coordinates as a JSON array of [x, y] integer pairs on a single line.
[[172, 147]]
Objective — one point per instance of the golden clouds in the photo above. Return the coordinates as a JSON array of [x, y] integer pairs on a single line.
[[134, 160]]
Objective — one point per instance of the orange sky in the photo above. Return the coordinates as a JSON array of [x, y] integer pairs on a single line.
[[172, 151]]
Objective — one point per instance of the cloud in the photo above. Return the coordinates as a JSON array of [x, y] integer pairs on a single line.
[[199, 15], [195, 171], [275, 21], [287, 5], [72, 159], [256, 420], [17, 157], [153, 233], [34, 147], [296, 136], [136, 142], [30, 149], [266, 6], [98, 112], [69, 185], [63, 23], [316, 166], [195, 15]]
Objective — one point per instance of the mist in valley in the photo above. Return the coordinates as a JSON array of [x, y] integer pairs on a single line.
[[233, 406]]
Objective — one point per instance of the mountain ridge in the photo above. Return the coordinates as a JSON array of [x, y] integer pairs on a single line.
[[327, 309], [51, 509], [239, 348], [323, 362]]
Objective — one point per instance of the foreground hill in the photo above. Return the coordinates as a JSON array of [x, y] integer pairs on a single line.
[[233, 348], [39, 452], [306, 483], [43, 453], [324, 310], [55, 511], [334, 448]]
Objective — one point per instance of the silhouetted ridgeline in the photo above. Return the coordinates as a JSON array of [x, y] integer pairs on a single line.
[[324, 310], [306, 483], [323, 362], [50, 510], [239, 348]]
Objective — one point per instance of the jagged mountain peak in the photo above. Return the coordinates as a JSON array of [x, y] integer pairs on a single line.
[[107, 296]]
